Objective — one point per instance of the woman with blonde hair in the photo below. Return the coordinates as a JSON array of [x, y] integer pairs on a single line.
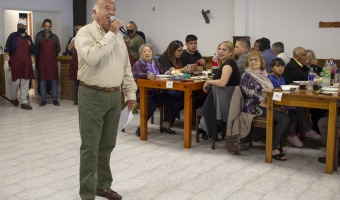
[[227, 75], [255, 84]]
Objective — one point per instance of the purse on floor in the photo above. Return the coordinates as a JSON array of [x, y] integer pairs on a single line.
[[234, 143]]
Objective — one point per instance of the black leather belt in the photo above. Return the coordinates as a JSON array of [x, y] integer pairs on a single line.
[[104, 89]]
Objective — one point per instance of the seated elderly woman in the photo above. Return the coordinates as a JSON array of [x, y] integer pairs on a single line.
[[227, 75], [147, 68], [254, 85]]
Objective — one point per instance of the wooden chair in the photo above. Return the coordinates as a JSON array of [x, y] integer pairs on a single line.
[[258, 122], [261, 122], [161, 116], [199, 114]]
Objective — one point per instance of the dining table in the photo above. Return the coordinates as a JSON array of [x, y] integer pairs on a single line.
[[308, 99], [186, 85]]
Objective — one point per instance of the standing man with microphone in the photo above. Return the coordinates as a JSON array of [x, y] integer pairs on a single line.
[[20, 64], [103, 70]]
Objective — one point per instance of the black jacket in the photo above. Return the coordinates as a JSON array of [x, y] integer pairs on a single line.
[[293, 72]]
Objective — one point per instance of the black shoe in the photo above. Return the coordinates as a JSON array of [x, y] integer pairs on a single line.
[[56, 103], [75, 103], [167, 130], [25, 106], [43, 103], [204, 135], [15, 102], [322, 159], [138, 132]]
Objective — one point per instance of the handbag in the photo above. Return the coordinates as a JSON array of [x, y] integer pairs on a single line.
[[234, 143]]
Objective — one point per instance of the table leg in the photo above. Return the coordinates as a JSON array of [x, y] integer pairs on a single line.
[[143, 113], [187, 119], [332, 114], [269, 129]]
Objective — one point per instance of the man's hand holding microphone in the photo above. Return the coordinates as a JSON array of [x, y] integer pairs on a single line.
[[116, 25]]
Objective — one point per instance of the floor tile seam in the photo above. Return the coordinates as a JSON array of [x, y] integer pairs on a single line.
[[242, 189]]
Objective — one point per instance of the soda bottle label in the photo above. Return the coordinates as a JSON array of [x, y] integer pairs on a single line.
[[214, 63], [326, 73]]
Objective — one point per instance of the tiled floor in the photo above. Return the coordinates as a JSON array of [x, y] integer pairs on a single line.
[[39, 159]]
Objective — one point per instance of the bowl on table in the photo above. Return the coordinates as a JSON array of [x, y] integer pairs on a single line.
[[176, 77], [187, 75]]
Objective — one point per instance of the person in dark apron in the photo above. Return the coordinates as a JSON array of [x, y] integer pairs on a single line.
[[19, 64], [71, 51], [47, 49]]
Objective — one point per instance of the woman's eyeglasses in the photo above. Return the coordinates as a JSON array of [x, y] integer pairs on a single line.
[[254, 60]]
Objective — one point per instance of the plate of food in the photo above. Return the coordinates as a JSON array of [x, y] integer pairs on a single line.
[[298, 82], [162, 76], [198, 77], [329, 89]]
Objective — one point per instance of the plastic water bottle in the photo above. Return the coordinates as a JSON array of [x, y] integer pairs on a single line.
[[310, 79], [336, 75], [331, 63], [214, 63], [326, 75]]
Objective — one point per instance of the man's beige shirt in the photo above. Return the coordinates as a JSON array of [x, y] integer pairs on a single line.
[[103, 60]]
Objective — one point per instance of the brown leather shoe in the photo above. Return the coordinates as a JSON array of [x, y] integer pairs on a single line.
[[108, 193]]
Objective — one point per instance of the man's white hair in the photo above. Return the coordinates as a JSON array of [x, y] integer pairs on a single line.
[[96, 5]]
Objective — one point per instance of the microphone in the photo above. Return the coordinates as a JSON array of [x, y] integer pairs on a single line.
[[122, 28]]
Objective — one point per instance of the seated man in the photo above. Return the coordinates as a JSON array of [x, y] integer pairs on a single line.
[[323, 126], [279, 50], [242, 47], [267, 53], [296, 70], [191, 55]]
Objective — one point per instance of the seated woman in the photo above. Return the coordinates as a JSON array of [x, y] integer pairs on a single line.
[[316, 114], [171, 60], [147, 68], [277, 79], [254, 85], [312, 62], [171, 57], [227, 75]]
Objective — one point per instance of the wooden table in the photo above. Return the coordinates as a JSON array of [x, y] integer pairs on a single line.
[[309, 99], [187, 87]]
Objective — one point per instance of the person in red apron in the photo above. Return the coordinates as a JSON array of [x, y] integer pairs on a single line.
[[19, 64], [71, 51], [47, 49], [133, 41]]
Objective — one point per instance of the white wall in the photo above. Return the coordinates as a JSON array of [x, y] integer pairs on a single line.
[[64, 7], [294, 22], [173, 20]]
